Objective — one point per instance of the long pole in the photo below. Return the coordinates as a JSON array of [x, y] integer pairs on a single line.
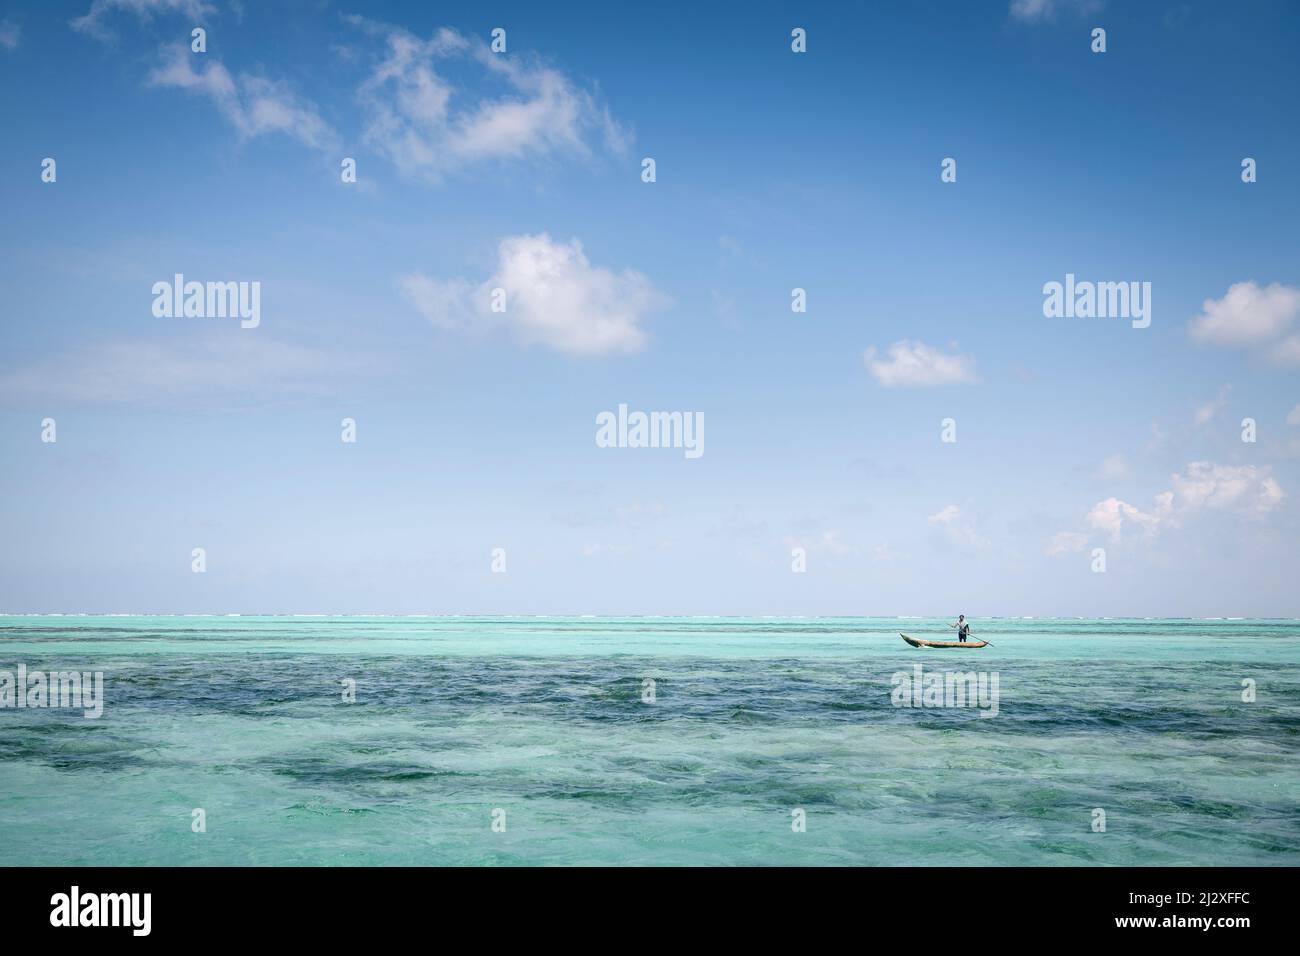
[[989, 643]]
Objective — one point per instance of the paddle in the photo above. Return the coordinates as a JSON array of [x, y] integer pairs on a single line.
[[988, 642]]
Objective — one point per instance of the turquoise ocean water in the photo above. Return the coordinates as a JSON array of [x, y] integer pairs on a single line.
[[544, 719]]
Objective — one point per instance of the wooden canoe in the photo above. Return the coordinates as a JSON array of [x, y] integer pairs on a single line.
[[918, 642]]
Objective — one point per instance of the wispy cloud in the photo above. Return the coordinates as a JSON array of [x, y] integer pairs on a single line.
[[1286, 352], [1033, 11], [10, 35], [826, 542], [1114, 466], [554, 297], [239, 366], [500, 109], [1064, 542], [883, 552], [429, 127], [598, 549], [1207, 412], [958, 528], [94, 22], [915, 364], [253, 105]]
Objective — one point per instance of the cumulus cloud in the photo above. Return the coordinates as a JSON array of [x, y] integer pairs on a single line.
[[1246, 491], [93, 22], [1113, 517], [958, 528], [253, 105], [1249, 316], [10, 34], [554, 297], [429, 127], [913, 364]]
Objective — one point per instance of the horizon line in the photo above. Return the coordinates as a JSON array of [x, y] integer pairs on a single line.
[[785, 617]]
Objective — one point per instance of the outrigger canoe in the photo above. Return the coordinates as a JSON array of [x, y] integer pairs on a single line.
[[918, 642]]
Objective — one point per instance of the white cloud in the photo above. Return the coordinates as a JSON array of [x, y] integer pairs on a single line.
[[447, 303], [613, 550], [93, 24], [917, 364], [10, 34], [945, 515], [640, 513], [238, 366], [1032, 11], [883, 552], [827, 542], [1242, 490], [1206, 413], [1247, 316], [1286, 352], [959, 529], [1293, 416], [1066, 541], [554, 297], [724, 308], [1113, 467], [731, 249], [253, 105], [498, 109], [1113, 516], [429, 127]]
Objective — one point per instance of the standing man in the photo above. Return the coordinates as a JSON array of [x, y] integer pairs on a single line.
[[963, 628]]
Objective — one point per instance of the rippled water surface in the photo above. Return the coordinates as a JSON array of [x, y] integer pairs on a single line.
[[544, 719]]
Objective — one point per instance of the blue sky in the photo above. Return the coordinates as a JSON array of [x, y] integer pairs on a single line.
[[775, 170]]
